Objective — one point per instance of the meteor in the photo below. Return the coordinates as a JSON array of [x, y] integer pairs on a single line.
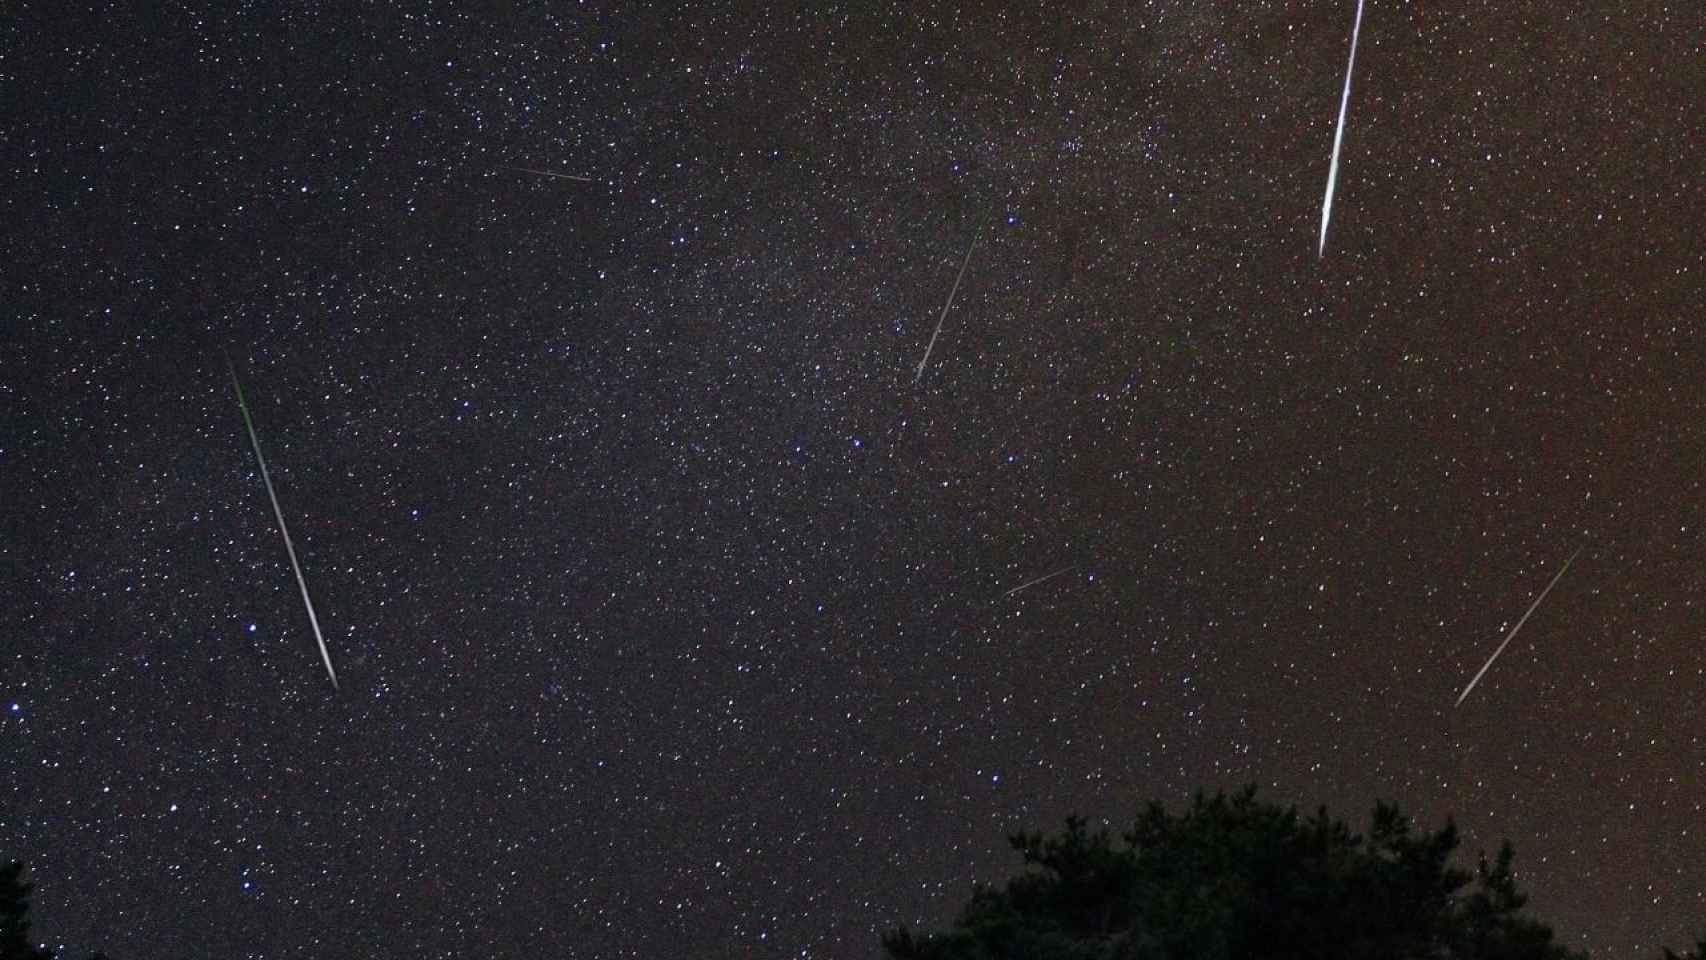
[[547, 173], [1046, 576], [1339, 136], [1519, 623], [940, 320], [277, 512]]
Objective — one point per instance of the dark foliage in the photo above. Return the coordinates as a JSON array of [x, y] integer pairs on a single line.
[[15, 917], [1236, 878]]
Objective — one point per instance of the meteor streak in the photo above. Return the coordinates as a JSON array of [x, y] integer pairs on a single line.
[[941, 319], [288, 546], [1519, 623], [1046, 576], [1339, 136], [547, 173]]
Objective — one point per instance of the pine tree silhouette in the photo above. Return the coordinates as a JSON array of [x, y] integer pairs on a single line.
[[15, 916], [1235, 879]]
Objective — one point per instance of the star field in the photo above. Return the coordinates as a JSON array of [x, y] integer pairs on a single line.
[[672, 617]]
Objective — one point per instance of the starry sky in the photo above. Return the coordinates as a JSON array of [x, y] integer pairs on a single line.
[[673, 608]]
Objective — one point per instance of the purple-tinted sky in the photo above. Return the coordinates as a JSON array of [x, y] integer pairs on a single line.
[[672, 615]]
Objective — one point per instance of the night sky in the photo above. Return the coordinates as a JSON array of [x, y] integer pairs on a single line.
[[671, 607]]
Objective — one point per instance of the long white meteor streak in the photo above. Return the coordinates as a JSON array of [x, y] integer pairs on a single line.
[[1339, 136], [288, 546], [1519, 623], [1046, 576], [943, 318], [547, 173]]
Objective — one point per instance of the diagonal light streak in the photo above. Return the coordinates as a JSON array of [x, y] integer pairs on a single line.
[[943, 318], [547, 173], [289, 547], [1512, 635], [1044, 577], [1339, 135]]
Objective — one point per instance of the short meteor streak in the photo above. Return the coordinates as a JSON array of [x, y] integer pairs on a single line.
[[547, 173], [1519, 623], [1046, 576], [1339, 136], [288, 546], [943, 318]]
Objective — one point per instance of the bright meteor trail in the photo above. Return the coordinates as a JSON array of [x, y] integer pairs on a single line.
[[943, 318], [1044, 577], [547, 173], [1339, 136], [288, 546], [1518, 626]]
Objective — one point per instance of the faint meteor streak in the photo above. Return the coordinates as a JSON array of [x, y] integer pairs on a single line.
[[277, 512], [1046, 576], [1339, 135], [1519, 623], [547, 173], [943, 318]]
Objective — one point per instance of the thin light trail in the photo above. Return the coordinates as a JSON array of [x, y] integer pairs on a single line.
[[1512, 635], [288, 546], [1339, 136], [943, 318], [1046, 576], [547, 173]]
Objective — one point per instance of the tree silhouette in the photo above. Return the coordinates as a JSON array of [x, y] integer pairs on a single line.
[[15, 916], [1236, 878]]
